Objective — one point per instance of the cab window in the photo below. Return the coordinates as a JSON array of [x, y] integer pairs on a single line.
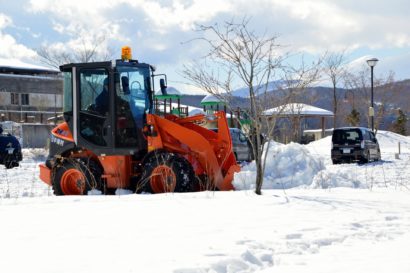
[[68, 93], [94, 105]]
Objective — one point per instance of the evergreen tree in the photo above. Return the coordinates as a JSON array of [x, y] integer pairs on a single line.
[[353, 119], [399, 126]]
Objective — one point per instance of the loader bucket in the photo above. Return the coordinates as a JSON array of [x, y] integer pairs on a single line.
[[213, 151]]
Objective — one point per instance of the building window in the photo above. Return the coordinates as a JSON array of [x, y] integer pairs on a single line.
[[24, 99], [14, 98]]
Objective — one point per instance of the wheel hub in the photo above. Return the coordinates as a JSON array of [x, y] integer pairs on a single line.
[[73, 182], [163, 179]]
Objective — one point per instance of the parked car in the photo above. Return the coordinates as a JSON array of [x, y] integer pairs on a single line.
[[242, 148], [10, 150], [354, 144]]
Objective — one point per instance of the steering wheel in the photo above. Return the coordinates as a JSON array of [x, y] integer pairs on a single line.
[[91, 107], [137, 83]]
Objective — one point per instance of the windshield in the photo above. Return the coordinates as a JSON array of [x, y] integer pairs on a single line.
[[133, 85], [350, 136], [132, 89]]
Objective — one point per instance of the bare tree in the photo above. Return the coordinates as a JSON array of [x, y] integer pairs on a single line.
[[359, 85], [240, 56], [385, 87], [89, 50], [296, 81], [334, 68]]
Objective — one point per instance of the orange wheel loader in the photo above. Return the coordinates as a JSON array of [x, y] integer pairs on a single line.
[[111, 139]]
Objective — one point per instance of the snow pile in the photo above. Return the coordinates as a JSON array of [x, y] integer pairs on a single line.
[[24, 180], [330, 179], [287, 166], [389, 143], [15, 63], [295, 165], [321, 147], [34, 155], [390, 172], [384, 174]]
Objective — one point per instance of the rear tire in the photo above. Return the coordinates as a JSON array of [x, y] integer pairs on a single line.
[[167, 172], [365, 159], [76, 177]]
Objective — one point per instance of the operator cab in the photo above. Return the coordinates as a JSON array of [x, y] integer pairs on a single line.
[[105, 105]]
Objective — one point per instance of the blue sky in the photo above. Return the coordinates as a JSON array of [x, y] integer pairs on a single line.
[[157, 30]]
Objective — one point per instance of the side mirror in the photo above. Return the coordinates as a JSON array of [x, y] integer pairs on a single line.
[[125, 85], [163, 87]]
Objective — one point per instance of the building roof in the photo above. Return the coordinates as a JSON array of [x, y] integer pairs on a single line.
[[211, 99], [14, 66], [298, 109]]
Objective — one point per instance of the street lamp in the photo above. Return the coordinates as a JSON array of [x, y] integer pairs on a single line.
[[372, 63]]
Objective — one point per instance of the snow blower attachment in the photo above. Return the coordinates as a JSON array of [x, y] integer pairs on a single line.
[[114, 138]]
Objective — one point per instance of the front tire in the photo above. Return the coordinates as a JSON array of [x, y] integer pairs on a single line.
[[167, 172], [76, 177]]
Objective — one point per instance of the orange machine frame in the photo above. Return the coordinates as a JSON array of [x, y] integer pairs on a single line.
[[210, 153]]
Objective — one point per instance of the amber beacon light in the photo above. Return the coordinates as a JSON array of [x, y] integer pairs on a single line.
[[126, 54]]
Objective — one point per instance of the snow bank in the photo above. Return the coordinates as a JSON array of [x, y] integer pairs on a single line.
[[336, 178], [287, 166], [390, 172], [383, 174], [24, 180], [295, 165], [389, 142]]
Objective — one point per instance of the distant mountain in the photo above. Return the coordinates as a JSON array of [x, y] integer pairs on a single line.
[[192, 100], [170, 91], [398, 96], [195, 100], [271, 86]]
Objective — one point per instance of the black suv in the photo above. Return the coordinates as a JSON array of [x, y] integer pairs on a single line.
[[10, 150], [354, 144]]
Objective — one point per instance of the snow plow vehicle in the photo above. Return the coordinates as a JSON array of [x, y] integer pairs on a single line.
[[114, 138]]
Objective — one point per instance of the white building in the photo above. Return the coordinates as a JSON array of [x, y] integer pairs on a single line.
[[29, 93]]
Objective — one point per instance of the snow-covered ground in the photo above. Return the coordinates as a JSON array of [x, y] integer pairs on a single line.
[[312, 217]]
